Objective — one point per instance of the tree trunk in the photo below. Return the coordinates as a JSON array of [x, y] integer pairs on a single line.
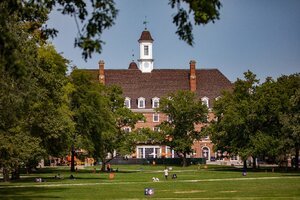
[[245, 165], [297, 157], [254, 162], [103, 166], [5, 173], [15, 174], [73, 160], [184, 163]]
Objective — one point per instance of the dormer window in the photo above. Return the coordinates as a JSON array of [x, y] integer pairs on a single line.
[[141, 102], [127, 102], [205, 101], [155, 102]]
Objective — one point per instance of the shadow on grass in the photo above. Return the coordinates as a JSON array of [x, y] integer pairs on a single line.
[[49, 175], [64, 170], [31, 193], [290, 171], [54, 180]]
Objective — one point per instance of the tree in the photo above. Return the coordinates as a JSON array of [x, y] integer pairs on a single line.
[[17, 89], [91, 24], [91, 114], [124, 118], [185, 111], [30, 81], [53, 125], [249, 119], [291, 125], [236, 120], [204, 11], [100, 116], [290, 119]]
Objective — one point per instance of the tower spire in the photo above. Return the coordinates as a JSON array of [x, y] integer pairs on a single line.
[[145, 22], [146, 58]]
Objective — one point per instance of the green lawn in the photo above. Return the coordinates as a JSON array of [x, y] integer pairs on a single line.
[[215, 182]]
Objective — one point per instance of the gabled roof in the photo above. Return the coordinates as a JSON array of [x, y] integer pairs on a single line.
[[161, 82]]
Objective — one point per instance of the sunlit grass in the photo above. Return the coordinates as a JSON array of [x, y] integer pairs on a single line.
[[215, 182]]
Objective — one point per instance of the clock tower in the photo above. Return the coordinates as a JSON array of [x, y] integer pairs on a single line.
[[146, 59]]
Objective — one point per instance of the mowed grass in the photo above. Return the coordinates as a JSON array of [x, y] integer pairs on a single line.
[[215, 182]]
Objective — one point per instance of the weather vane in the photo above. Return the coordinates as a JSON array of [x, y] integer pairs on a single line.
[[132, 55], [145, 22]]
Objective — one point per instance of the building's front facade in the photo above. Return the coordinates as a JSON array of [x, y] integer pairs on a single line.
[[143, 86]]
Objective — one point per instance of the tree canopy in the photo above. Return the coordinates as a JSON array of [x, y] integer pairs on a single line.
[[32, 79], [185, 111], [258, 120], [100, 116]]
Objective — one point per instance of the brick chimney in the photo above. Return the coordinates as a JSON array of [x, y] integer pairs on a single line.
[[193, 76], [101, 72]]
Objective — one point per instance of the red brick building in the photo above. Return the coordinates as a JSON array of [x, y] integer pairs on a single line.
[[143, 86]]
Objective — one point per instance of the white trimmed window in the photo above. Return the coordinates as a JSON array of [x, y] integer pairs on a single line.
[[205, 101], [155, 102], [206, 153], [141, 102], [148, 152], [127, 102], [155, 117]]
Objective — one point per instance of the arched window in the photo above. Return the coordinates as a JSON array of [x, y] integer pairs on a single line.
[[127, 102], [155, 102], [205, 101], [141, 102], [205, 153]]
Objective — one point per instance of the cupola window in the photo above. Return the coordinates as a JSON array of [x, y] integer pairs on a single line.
[[146, 50]]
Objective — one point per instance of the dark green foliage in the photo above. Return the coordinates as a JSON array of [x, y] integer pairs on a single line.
[[100, 117], [249, 120], [203, 11], [36, 11], [33, 122], [185, 111]]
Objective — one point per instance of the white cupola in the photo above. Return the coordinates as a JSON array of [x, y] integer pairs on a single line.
[[146, 57]]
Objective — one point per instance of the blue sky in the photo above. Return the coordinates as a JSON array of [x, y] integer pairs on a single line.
[[258, 35]]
